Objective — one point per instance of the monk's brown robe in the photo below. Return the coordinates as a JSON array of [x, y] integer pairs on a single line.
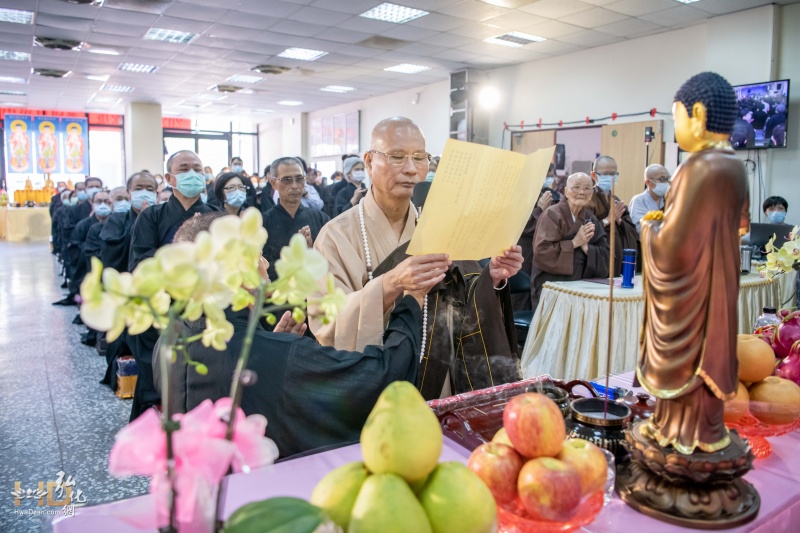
[[554, 256], [626, 238], [471, 341], [691, 267]]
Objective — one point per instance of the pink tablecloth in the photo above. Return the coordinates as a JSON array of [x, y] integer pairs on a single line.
[[777, 479]]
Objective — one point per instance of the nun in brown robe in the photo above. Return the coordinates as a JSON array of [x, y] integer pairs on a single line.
[[555, 257], [691, 267], [626, 238]]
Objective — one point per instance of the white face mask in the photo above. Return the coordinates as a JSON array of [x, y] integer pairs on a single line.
[[661, 189]]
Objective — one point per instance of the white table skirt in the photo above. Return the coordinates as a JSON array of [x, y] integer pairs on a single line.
[[568, 337]]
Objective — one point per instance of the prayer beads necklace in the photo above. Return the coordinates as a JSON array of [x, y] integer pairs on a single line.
[[369, 273]]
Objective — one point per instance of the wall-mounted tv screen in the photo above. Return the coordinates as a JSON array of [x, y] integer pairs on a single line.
[[762, 120]]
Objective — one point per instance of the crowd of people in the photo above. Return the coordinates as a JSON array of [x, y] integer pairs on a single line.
[[406, 318], [761, 122]]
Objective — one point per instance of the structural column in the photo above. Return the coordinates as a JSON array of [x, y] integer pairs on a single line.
[[144, 138]]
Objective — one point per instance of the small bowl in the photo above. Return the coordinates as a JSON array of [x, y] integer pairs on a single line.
[[513, 518]]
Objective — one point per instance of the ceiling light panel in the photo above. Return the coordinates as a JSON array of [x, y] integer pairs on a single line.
[[92, 77], [303, 54], [117, 88], [102, 51], [515, 39], [244, 78], [407, 68], [262, 111], [138, 68], [169, 36], [337, 89], [687, 1], [12, 93], [388, 12], [290, 102], [16, 16], [12, 79], [14, 56]]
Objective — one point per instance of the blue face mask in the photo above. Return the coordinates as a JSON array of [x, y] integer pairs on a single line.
[[71, 201], [429, 176], [190, 184], [236, 169], [138, 199], [604, 181], [91, 191], [776, 217], [122, 206], [82, 195], [204, 197], [235, 198], [209, 177], [102, 210]]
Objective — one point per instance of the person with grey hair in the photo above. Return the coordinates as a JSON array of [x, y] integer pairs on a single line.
[[570, 243], [656, 182], [353, 189], [289, 216]]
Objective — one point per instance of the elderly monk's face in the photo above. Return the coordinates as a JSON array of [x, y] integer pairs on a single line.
[[579, 190], [404, 164]]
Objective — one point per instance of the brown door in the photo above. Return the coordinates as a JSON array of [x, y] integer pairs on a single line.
[[625, 143]]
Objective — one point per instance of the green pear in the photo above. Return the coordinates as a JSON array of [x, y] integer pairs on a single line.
[[386, 504], [455, 499], [402, 435], [336, 493]]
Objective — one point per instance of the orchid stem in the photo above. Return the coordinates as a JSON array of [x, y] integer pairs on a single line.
[[169, 426]]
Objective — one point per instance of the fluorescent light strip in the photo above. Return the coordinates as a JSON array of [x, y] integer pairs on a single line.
[[12, 93], [687, 1], [12, 104], [515, 39], [169, 36], [16, 16], [290, 102], [14, 56], [244, 78], [303, 54], [388, 12], [12, 79], [104, 77], [117, 88], [102, 51], [262, 111], [337, 89], [135, 67], [407, 68]]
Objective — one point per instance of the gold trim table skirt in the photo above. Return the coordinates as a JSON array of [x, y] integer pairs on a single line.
[[25, 224], [568, 337]]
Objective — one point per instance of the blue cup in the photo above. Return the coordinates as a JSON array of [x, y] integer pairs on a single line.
[[628, 267]]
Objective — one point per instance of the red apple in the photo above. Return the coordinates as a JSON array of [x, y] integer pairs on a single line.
[[535, 425], [498, 466], [549, 489], [589, 461]]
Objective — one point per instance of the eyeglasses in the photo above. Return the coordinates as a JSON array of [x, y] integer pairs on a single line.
[[420, 159], [288, 180], [231, 188], [575, 188], [659, 180]]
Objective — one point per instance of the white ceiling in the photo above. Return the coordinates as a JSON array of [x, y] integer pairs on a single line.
[[236, 35]]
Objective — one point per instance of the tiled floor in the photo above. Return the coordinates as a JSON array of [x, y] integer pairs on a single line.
[[54, 414]]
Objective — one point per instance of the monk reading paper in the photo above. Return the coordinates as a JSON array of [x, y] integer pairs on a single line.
[[469, 333], [691, 268]]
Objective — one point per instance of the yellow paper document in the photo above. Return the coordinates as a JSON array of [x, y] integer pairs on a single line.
[[480, 201]]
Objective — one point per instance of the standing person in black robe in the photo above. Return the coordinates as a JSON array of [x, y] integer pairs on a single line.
[[100, 205], [155, 227], [604, 173], [569, 243], [55, 203], [329, 192], [70, 219], [289, 216], [353, 189], [64, 202], [266, 202], [116, 233]]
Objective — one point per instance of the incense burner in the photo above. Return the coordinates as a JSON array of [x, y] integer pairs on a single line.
[[589, 421]]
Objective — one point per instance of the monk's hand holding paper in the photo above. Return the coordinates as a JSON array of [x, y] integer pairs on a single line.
[[416, 273], [504, 266]]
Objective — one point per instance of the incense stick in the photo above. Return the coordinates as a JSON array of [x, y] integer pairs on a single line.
[[612, 229]]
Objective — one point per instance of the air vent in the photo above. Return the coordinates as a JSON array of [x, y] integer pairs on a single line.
[[515, 39], [270, 69], [58, 44], [383, 43], [226, 88], [51, 72], [97, 3]]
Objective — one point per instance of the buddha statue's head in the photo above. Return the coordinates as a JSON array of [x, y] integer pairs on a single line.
[[704, 112]]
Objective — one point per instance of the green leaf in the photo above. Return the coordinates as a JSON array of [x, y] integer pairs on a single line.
[[275, 515]]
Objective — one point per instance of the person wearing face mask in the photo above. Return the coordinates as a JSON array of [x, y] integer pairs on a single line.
[[209, 175], [56, 221], [237, 167], [353, 190], [155, 227], [570, 243], [115, 235], [547, 197], [604, 172], [656, 181], [75, 213], [311, 197], [432, 168], [166, 194], [231, 188], [775, 208]]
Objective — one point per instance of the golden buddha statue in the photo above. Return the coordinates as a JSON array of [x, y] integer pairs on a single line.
[[686, 468]]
